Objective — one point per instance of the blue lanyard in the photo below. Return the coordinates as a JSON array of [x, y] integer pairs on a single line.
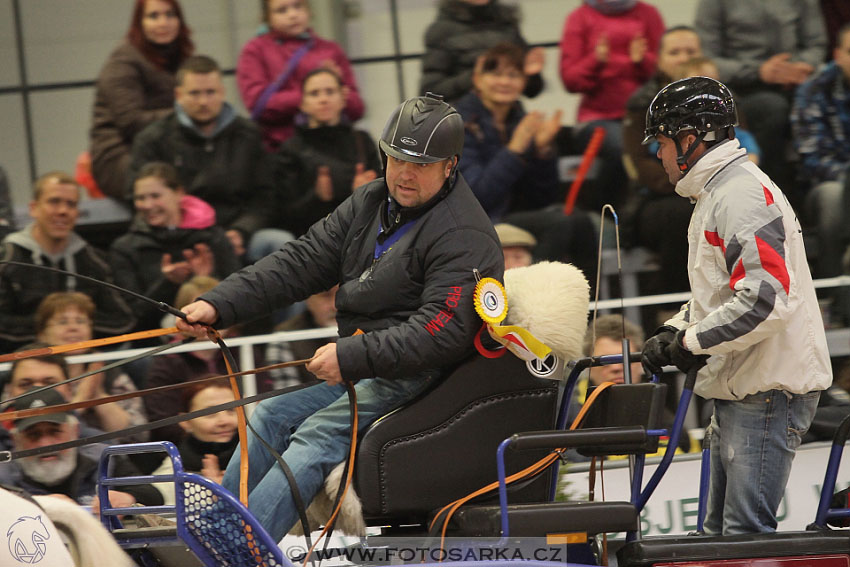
[[382, 248]]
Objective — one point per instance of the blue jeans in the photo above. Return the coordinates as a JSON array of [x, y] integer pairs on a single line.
[[310, 428], [753, 442]]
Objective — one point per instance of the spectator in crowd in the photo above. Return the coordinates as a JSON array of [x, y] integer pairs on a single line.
[[510, 161], [210, 439], [764, 51], [7, 211], [172, 238], [50, 241], [835, 13], [320, 312], [326, 159], [463, 30], [66, 317], [273, 65], [175, 368], [608, 50], [136, 87], [218, 155], [70, 473], [821, 125], [517, 245], [606, 338], [35, 372]]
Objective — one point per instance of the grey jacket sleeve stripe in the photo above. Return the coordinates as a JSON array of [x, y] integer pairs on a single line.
[[752, 318]]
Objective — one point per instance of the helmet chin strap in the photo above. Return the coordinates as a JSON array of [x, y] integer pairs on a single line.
[[682, 158]]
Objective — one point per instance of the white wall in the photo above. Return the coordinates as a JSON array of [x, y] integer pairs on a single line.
[[67, 41]]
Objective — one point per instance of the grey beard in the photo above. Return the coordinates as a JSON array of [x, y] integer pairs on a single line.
[[50, 473]]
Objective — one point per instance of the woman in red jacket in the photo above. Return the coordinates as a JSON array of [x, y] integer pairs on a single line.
[[608, 50], [273, 65]]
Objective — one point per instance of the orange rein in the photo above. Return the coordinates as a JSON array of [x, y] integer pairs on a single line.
[[91, 343]]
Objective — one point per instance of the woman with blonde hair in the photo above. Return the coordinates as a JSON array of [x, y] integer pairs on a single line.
[[66, 317]]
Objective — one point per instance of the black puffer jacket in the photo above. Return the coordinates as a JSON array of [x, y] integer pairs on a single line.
[[414, 302], [136, 259], [340, 148], [229, 170], [458, 36]]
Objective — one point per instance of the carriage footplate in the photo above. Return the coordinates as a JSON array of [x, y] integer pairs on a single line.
[[821, 547]]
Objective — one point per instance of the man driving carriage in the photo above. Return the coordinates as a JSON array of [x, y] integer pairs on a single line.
[[402, 249]]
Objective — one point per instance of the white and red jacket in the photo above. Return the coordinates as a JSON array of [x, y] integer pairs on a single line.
[[753, 306]]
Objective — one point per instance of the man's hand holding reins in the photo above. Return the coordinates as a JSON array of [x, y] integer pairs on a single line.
[[199, 315], [325, 364]]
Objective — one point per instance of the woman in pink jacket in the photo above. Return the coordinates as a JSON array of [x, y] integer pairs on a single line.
[[608, 50], [273, 65]]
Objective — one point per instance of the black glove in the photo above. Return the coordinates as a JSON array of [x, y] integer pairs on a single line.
[[682, 358], [655, 353]]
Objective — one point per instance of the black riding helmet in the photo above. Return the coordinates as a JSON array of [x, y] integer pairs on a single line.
[[696, 103], [423, 129], [699, 104]]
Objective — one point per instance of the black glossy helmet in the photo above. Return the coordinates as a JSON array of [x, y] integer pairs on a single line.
[[696, 103], [423, 129]]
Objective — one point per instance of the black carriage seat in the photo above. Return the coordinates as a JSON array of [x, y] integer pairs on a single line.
[[656, 550], [615, 425], [442, 446]]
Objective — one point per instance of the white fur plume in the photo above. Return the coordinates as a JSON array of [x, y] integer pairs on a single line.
[[550, 300]]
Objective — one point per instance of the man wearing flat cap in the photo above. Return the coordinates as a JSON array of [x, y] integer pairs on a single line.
[[517, 245]]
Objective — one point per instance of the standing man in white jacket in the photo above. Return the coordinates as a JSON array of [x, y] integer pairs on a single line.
[[753, 308]]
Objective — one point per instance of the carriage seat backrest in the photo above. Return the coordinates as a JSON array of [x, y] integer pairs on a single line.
[[446, 440], [624, 405]]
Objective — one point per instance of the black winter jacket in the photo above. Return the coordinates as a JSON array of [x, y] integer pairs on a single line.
[[81, 485], [458, 36], [230, 170], [136, 259], [339, 148], [414, 302]]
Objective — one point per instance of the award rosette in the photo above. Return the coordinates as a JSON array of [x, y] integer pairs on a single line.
[[491, 301], [491, 304]]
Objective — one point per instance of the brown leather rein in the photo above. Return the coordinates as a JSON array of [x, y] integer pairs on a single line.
[[20, 414]]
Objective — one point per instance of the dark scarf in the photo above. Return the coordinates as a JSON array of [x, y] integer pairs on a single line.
[[611, 7], [194, 450]]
